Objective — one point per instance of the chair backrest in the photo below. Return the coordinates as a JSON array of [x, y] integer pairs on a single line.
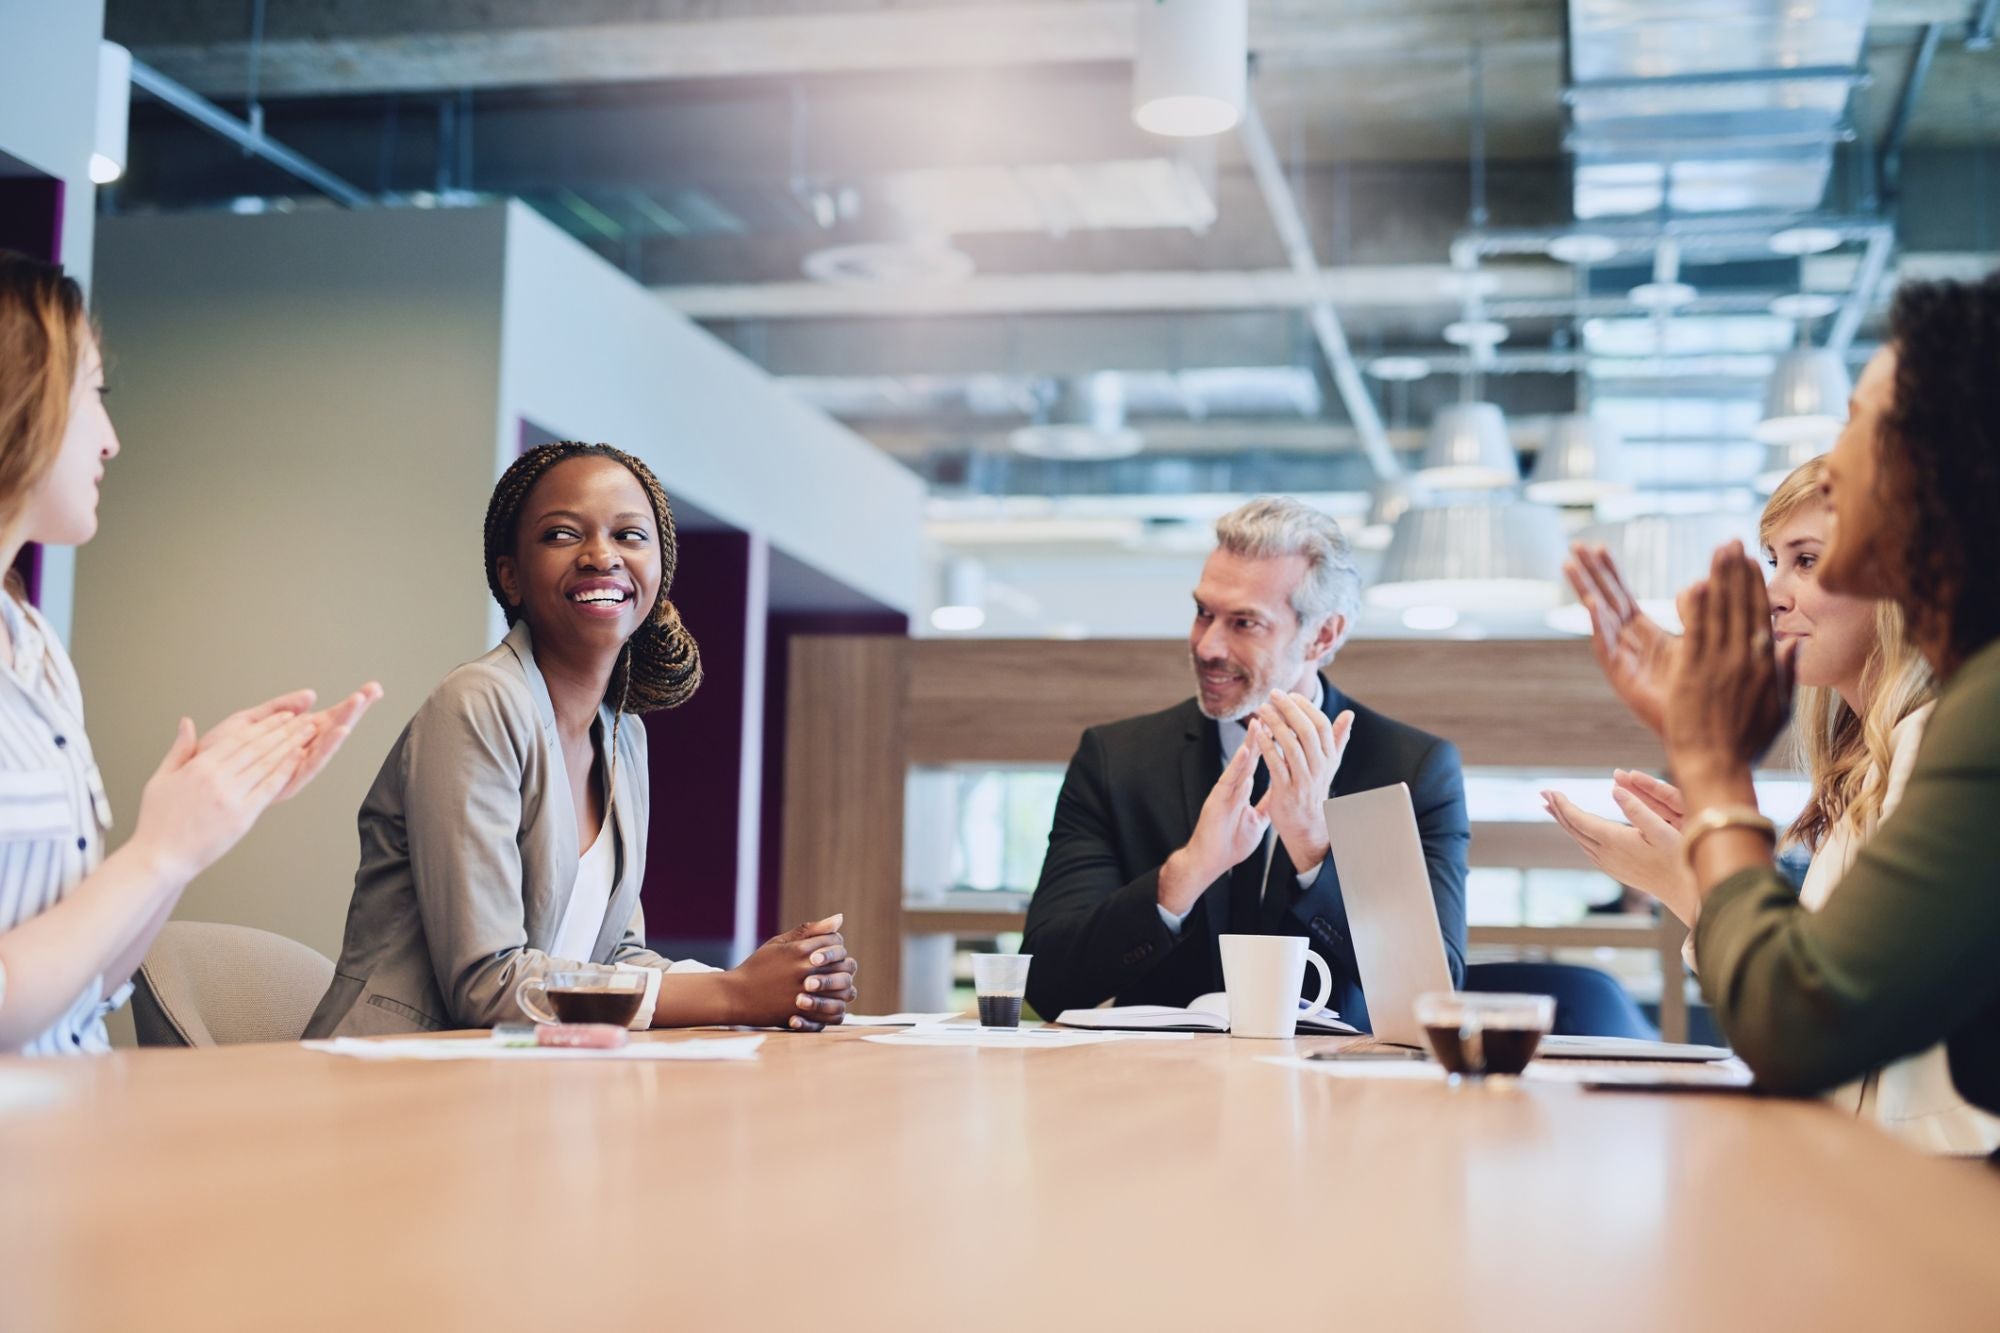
[[208, 984], [1589, 1003]]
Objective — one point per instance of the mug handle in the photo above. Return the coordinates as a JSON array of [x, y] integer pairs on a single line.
[[531, 986], [1325, 985]]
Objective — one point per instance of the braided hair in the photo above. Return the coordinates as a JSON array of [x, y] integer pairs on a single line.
[[1940, 460], [659, 666]]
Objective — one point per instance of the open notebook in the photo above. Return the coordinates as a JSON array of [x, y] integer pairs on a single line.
[[1208, 1013]]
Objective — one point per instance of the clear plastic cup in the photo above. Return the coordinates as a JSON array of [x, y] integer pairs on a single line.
[[1001, 981], [1479, 1033]]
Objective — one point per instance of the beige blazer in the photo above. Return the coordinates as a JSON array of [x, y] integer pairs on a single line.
[[469, 854]]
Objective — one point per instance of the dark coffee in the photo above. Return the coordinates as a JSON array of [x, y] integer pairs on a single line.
[[616, 1007], [999, 1011], [1504, 1050]]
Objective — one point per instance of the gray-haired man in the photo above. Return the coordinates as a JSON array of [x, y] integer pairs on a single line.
[[1180, 826]]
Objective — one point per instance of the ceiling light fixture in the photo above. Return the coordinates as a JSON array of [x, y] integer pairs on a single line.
[[114, 113], [1799, 241], [1084, 419], [1473, 557], [1806, 398], [1658, 555], [1190, 66], [1475, 332], [1582, 247], [1468, 449], [1399, 369], [1583, 461]]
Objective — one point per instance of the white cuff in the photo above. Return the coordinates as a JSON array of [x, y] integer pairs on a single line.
[[1170, 921], [644, 1018]]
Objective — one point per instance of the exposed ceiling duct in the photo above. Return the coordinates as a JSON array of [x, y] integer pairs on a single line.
[[1707, 106]]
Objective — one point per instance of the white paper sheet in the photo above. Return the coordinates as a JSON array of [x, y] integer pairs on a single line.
[[720, 1048], [1019, 1039], [899, 1020]]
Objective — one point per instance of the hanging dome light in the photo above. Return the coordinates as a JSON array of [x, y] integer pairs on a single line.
[[1658, 555], [1389, 501], [1583, 461], [1468, 449], [114, 113], [1190, 66], [1806, 398], [1085, 420], [1473, 557]]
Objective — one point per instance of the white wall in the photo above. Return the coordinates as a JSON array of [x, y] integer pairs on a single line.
[[306, 404], [593, 355], [48, 119]]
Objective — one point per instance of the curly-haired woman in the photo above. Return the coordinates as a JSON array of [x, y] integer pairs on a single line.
[[1903, 956], [505, 837]]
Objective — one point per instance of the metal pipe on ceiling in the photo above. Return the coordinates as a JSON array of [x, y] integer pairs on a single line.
[[1285, 215], [1889, 172], [252, 140]]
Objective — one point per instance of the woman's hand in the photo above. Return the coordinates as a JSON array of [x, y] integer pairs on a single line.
[[1633, 650], [802, 979], [1644, 854], [1730, 692], [1662, 798], [331, 727], [204, 797]]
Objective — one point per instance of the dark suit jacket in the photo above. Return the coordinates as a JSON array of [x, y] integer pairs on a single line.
[[1131, 799]]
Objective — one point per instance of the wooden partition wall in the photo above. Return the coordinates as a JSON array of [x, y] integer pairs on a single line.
[[862, 711]]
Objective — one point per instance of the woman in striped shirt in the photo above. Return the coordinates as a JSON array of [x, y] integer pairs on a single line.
[[74, 923]]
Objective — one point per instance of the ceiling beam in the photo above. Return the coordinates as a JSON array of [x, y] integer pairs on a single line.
[[1397, 286], [358, 46]]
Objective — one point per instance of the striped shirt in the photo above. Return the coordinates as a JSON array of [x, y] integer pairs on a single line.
[[53, 811]]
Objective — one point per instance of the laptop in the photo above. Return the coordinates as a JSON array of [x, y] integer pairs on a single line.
[[1398, 942]]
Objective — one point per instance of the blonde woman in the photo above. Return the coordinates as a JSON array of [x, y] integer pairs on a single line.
[[74, 923], [1864, 696]]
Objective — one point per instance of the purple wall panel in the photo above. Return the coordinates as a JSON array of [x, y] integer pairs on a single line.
[[697, 752]]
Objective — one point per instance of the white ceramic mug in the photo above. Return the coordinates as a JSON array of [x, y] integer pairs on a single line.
[[1261, 974]]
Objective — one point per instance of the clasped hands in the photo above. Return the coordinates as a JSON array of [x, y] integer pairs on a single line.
[[1302, 750]]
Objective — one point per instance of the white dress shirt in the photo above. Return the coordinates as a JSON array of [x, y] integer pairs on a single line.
[[1232, 736]]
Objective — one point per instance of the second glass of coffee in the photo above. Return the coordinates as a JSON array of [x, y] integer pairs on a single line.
[[1001, 981]]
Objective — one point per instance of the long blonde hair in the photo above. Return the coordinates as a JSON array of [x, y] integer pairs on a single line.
[[1846, 754], [44, 331]]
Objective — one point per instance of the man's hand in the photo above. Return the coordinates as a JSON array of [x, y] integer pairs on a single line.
[[1302, 749], [1229, 829]]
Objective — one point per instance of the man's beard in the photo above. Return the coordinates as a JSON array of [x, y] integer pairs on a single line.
[[1290, 665]]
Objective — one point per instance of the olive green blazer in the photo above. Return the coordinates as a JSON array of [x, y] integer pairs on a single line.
[[1906, 954]]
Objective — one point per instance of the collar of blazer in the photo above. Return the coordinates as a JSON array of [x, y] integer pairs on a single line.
[[626, 887]]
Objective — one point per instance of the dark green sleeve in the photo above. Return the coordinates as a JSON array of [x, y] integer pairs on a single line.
[[1905, 952]]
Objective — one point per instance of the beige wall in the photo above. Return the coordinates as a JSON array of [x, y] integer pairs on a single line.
[[307, 406]]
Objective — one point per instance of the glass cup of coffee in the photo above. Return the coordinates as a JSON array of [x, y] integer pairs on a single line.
[[1477, 1033], [583, 997], [1001, 980]]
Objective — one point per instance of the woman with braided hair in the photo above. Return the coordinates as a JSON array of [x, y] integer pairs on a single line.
[[505, 837]]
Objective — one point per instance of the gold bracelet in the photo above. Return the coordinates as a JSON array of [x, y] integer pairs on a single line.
[[1717, 817]]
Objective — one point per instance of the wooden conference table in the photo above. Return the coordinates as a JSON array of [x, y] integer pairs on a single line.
[[844, 1185]]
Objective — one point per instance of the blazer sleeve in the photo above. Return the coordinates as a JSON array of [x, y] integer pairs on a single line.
[[1901, 955], [463, 814], [1092, 931], [1437, 794]]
